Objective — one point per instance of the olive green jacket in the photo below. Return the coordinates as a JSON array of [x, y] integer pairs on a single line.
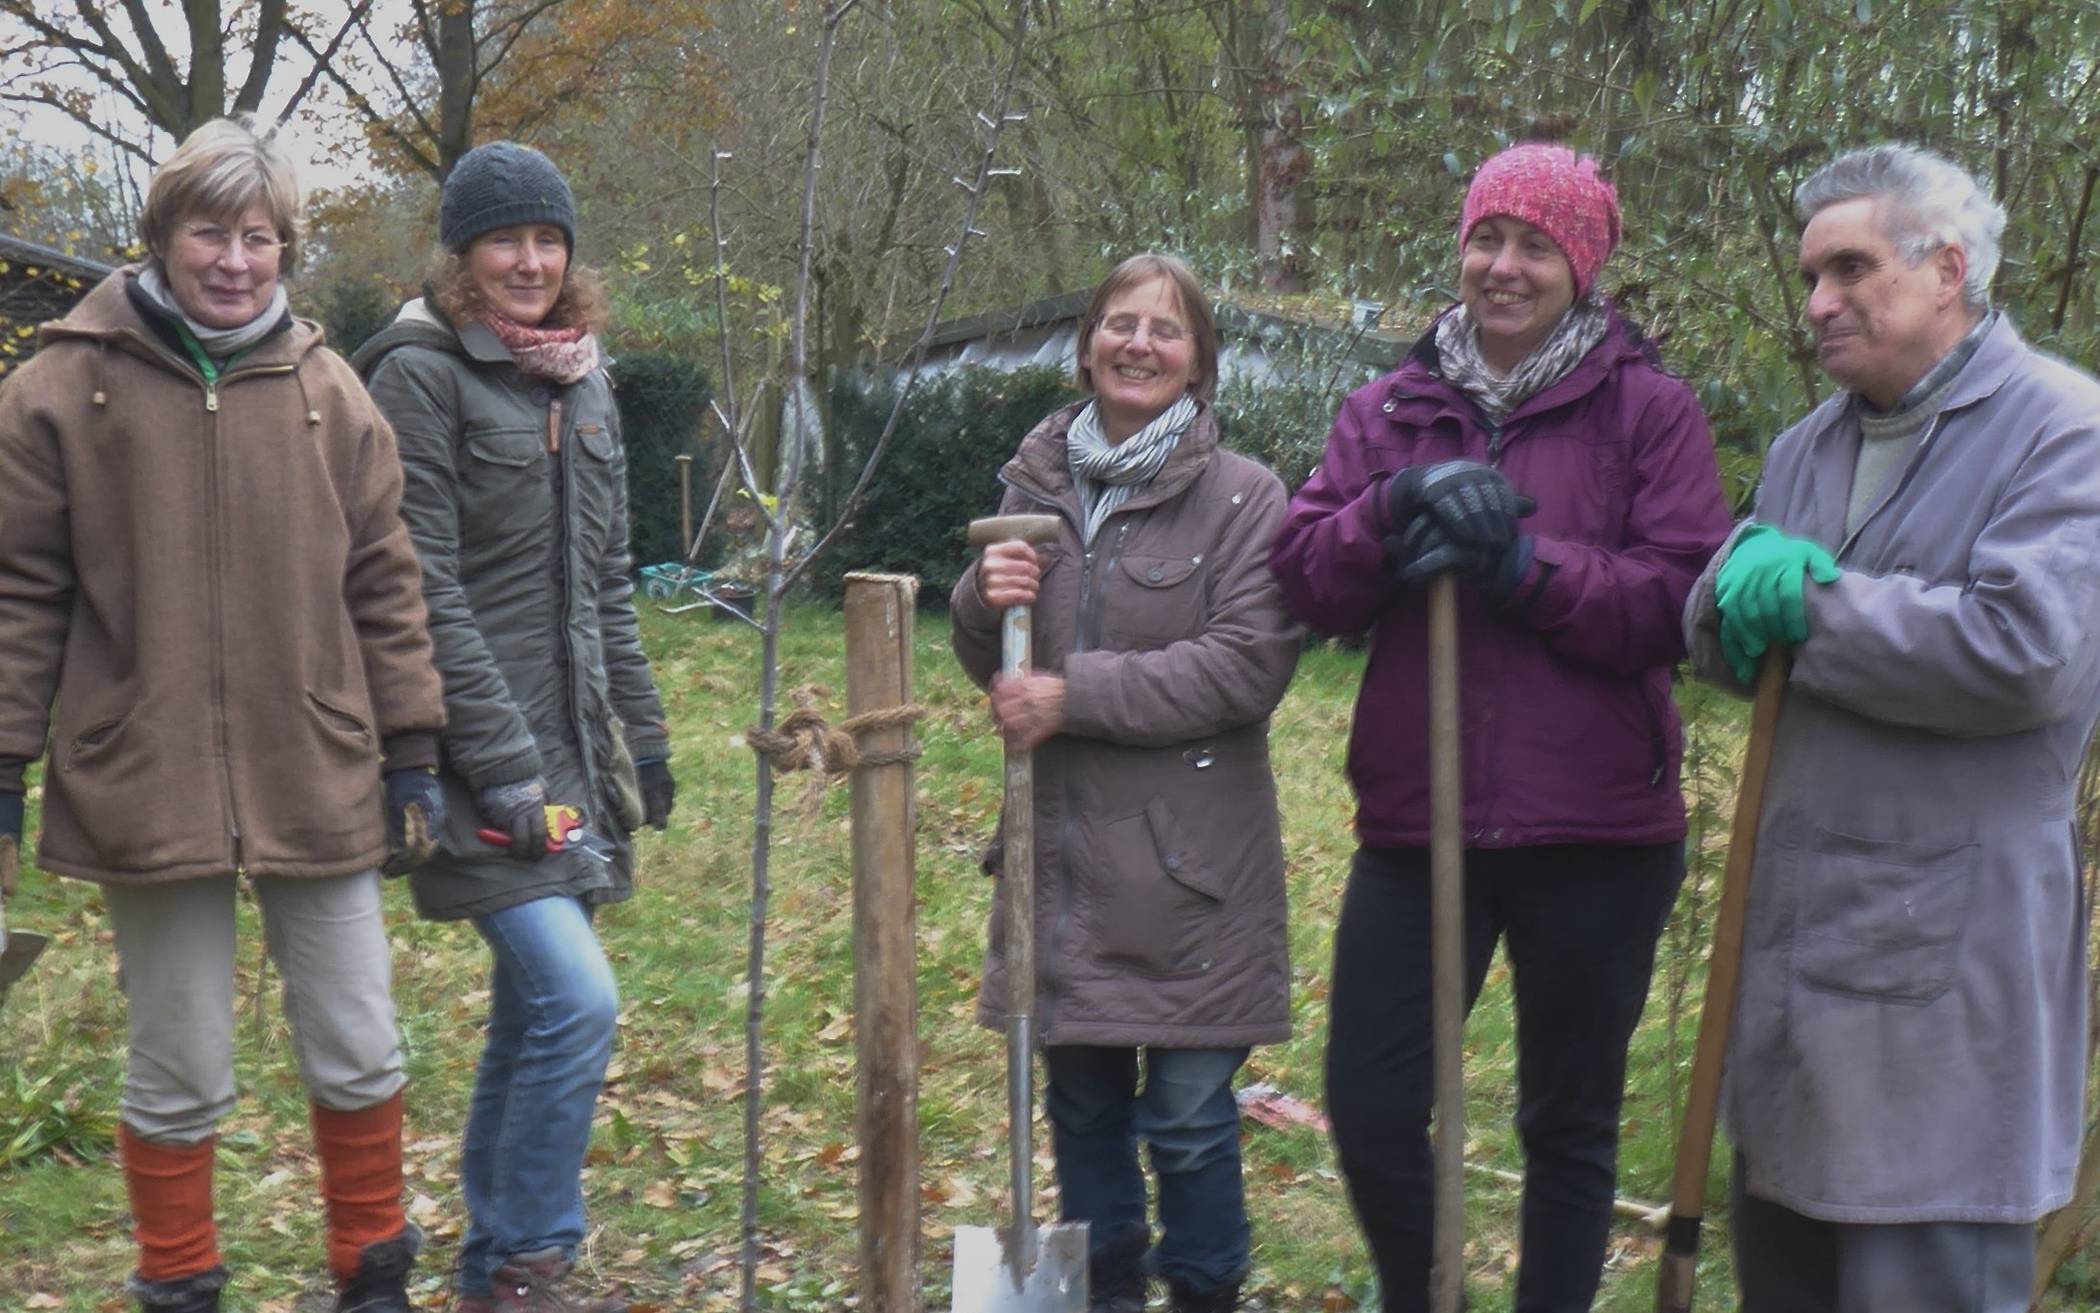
[[516, 498]]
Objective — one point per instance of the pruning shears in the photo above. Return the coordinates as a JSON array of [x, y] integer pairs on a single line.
[[565, 830]]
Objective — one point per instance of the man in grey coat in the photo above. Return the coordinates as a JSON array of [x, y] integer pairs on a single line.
[[1906, 1074]]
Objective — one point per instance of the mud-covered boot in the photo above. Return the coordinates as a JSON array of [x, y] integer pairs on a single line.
[[539, 1283], [380, 1284], [198, 1293], [1116, 1273], [1214, 1299]]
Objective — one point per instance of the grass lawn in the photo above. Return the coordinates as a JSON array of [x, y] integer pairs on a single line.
[[663, 1183]]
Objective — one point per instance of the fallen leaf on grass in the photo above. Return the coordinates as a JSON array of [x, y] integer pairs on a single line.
[[42, 1300], [1336, 1300], [660, 1194]]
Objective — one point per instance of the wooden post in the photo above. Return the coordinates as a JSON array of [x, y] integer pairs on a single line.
[[685, 506], [880, 609]]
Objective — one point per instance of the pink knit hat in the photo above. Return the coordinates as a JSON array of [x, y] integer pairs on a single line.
[[1556, 191]]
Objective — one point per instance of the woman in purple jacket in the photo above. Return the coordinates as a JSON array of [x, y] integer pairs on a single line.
[[1532, 444]]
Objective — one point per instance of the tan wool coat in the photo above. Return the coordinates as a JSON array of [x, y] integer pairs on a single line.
[[1160, 914], [213, 585]]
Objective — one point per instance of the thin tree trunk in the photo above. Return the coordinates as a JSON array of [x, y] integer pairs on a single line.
[[2071, 248]]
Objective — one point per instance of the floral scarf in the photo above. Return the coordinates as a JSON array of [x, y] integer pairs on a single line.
[[564, 355]]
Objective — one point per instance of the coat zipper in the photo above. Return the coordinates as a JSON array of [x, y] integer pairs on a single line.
[[215, 547]]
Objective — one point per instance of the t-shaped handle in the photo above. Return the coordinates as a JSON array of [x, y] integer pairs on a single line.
[[1013, 528]]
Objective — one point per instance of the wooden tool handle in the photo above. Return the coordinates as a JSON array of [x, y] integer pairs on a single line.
[[1447, 949], [1014, 528], [1695, 1139]]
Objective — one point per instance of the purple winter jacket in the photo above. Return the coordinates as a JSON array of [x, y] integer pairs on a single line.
[[1569, 731]]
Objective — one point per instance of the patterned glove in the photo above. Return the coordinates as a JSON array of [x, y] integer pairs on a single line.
[[1760, 593], [10, 840], [415, 816], [519, 810]]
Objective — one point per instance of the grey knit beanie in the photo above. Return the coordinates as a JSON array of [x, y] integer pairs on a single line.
[[501, 184]]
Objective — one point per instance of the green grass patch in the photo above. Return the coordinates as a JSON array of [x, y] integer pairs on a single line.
[[663, 1178]]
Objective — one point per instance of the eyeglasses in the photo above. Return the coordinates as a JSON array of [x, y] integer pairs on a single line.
[[258, 244], [1164, 331]]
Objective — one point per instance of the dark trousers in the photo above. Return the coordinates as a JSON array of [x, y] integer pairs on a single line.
[[1788, 1263], [1581, 924], [1189, 1120]]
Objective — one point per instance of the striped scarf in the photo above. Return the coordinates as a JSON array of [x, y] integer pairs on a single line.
[[1458, 349], [1109, 474]]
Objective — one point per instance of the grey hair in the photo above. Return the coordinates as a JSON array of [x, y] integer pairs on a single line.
[[217, 172], [1931, 202]]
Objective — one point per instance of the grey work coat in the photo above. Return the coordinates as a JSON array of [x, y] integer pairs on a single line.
[[516, 500], [1910, 1040], [1159, 910]]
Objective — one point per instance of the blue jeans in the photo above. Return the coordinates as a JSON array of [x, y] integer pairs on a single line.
[[1187, 1114], [552, 1006]]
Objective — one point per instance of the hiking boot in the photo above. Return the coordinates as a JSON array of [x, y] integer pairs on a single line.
[[1116, 1272], [198, 1293], [1216, 1299], [381, 1282], [539, 1283]]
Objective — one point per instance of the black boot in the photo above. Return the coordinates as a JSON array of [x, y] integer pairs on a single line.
[[1216, 1299], [1116, 1272], [190, 1294], [381, 1282]]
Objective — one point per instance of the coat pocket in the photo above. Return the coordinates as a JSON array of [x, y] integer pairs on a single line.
[[1881, 918], [1156, 897], [1153, 601]]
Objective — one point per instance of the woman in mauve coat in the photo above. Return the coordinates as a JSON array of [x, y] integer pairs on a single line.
[[1161, 647], [1532, 444]]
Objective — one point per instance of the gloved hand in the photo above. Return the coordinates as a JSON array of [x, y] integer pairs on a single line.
[[518, 809], [1759, 593], [1424, 550], [10, 840], [415, 817], [659, 791], [1474, 503]]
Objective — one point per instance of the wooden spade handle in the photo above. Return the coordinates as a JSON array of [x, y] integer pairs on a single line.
[[1695, 1139]]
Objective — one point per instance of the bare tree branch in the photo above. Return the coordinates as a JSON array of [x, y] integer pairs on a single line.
[[323, 59], [262, 60], [933, 313]]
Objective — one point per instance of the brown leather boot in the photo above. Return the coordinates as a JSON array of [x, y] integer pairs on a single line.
[[539, 1283]]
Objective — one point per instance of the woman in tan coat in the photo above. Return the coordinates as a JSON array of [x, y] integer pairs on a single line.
[[202, 564], [1161, 648]]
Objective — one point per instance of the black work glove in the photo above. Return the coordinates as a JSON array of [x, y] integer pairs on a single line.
[[519, 810], [1473, 503], [1424, 550], [659, 791], [10, 840], [415, 817]]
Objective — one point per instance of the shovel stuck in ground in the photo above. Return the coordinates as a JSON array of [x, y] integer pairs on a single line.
[[1022, 1268]]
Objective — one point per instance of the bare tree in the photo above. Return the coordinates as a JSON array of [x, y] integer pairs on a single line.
[[425, 78], [59, 54]]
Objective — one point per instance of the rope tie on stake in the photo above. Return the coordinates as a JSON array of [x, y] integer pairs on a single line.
[[804, 740]]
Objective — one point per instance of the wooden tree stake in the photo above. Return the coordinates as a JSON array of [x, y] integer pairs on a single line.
[[879, 613]]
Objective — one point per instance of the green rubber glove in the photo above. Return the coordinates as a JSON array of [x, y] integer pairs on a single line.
[[1759, 592]]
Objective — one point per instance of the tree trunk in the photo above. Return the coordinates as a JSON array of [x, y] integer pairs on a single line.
[[1280, 158], [457, 77]]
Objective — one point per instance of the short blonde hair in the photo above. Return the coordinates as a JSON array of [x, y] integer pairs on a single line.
[[217, 173], [1195, 307]]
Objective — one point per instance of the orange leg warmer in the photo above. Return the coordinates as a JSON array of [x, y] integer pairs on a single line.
[[170, 1186], [360, 1155]]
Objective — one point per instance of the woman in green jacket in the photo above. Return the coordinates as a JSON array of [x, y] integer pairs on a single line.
[[554, 747]]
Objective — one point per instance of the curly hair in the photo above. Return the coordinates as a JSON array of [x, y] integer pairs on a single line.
[[582, 300]]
